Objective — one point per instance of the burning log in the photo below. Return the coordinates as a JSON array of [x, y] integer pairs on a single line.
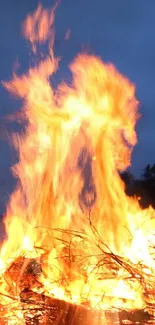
[[50, 311], [41, 309]]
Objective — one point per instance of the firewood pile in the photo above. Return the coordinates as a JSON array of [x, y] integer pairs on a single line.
[[39, 308]]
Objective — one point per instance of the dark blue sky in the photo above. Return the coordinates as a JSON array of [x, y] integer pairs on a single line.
[[122, 32]]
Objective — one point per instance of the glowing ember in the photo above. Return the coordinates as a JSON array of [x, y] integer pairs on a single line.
[[83, 239]]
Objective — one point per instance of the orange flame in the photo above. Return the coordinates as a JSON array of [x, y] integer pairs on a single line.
[[70, 197], [38, 27]]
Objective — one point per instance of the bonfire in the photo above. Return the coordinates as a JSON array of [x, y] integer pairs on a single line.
[[78, 250]]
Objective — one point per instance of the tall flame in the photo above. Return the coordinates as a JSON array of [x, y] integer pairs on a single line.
[[69, 196]]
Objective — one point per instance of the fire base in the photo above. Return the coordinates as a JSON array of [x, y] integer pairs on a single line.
[[43, 310]]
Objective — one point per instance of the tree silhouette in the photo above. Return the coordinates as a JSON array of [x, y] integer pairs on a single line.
[[127, 177], [146, 173]]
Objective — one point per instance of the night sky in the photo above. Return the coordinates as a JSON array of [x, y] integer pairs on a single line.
[[122, 32]]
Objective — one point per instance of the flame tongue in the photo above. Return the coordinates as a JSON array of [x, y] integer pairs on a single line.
[[70, 208]]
